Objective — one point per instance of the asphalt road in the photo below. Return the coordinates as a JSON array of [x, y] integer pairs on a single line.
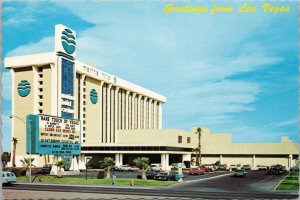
[[255, 181], [256, 185]]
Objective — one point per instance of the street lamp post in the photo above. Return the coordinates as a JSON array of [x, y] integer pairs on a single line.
[[29, 125]]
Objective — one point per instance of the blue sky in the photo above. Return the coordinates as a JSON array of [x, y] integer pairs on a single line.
[[231, 72]]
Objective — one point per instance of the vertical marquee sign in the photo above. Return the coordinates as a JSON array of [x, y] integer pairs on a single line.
[[65, 45]]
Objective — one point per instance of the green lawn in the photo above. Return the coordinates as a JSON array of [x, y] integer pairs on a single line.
[[291, 182], [83, 181]]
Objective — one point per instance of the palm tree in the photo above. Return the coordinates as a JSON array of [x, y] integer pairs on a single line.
[[143, 163], [107, 162], [15, 141], [198, 155], [26, 163], [59, 164]]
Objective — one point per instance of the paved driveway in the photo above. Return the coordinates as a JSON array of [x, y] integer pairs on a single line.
[[255, 181]]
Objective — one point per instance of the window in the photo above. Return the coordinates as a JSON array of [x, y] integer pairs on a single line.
[[40, 111], [83, 128], [179, 139], [40, 104], [83, 115], [40, 69], [188, 139], [41, 89], [83, 140], [84, 96], [41, 82], [41, 75], [84, 90], [84, 135]]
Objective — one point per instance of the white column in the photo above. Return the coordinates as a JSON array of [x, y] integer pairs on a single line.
[[187, 157], [145, 112], [101, 109], [54, 99], [139, 111], [221, 159], [290, 161], [117, 158], [154, 114], [150, 114], [81, 104], [165, 161], [133, 111], [253, 161], [160, 115], [116, 113], [104, 127], [126, 109], [108, 114], [36, 90]]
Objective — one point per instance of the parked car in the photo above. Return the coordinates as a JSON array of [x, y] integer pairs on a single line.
[[274, 170], [261, 167], [8, 178], [156, 167], [232, 168], [46, 169], [246, 167], [178, 165], [168, 176], [221, 167], [149, 175], [122, 168], [240, 173], [133, 169], [211, 167], [197, 171]]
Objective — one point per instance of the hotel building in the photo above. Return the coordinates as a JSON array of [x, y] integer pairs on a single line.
[[118, 118]]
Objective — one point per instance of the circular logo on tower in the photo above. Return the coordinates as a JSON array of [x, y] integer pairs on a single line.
[[93, 96], [24, 88], [68, 41]]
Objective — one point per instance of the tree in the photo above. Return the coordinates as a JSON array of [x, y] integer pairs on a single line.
[[143, 163], [106, 163], [59, 164], [198, 155], [26, 162], [5, 158], [15, 141], [68, 162]]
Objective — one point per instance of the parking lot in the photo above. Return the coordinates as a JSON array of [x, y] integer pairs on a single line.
[[133, 175], [254, 181]]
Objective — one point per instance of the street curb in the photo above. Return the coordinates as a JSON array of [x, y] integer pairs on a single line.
[[281, 181], [94, 186], [203, 179]]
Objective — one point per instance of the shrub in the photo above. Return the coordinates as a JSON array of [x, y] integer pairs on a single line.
[[18, 171], [100, 175]]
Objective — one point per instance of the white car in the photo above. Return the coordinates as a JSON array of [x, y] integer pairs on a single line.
[[179, 165], [123, 168], [8, 178], [156, 167]]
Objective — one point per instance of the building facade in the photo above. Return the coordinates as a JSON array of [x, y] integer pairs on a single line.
[[118, 118]]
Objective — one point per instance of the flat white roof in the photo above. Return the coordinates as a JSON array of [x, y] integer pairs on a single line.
[[82, 68]]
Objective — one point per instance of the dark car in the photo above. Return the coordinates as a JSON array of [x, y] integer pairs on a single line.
[[275, 170], [246, 167], [149, 175], [168, 176], [46, 169]]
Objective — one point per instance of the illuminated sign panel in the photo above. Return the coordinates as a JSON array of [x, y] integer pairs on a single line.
[[67, 89], [52, 135]]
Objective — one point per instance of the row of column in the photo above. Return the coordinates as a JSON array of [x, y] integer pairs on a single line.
[[121, 110]]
